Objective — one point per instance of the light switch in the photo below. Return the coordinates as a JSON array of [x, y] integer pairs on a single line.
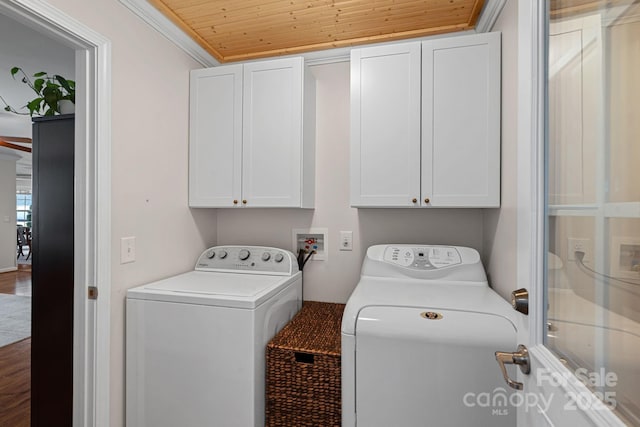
[[127, 250]]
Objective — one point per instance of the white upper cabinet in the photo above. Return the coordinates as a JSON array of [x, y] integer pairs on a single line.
[[215, 136], [461, 121], [425, 123], [385, 125], [252, 139]]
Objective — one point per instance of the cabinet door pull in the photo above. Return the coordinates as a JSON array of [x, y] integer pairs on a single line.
[[414, 200], [235, 202], [427, 200], [244, 201]]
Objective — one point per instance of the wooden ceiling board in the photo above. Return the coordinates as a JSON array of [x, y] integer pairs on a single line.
[[430, 16], [238, 30], [406, 20]]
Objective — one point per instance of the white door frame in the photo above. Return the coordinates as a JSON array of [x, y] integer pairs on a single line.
[[530, 235], [92, 210]]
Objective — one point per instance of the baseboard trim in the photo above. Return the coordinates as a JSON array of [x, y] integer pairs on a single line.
[[8, 269]]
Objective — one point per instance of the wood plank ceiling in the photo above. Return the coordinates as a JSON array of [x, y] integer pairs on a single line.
[[235, 30]]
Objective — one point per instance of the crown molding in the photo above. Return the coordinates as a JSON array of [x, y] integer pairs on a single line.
[[489, 15], [171, 31]]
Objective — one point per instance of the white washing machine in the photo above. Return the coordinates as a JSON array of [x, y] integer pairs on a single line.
[[419, 334], [195, 343]]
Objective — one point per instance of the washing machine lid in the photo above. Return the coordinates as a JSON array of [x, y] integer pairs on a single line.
[[388, 292], [237, 290]]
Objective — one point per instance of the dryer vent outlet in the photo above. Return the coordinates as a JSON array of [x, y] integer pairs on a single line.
[[312, 239]]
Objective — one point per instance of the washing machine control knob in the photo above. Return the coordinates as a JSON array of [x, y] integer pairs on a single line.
[[266, 256], [211, 254], [244, 254], [222, 254], [279, 258]]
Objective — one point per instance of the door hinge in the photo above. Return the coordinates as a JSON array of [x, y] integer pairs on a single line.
[[92, 292]]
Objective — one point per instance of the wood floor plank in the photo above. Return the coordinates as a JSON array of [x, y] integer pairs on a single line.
[[16, 282], [15, 362], [15, 384]]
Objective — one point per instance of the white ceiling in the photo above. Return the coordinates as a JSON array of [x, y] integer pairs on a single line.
[[24, 47]]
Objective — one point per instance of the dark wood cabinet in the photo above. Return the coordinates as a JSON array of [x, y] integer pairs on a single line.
[[52, 271]]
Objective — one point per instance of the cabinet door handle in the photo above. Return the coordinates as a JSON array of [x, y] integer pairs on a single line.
[[414, 200], [244, 201], [235, 202], [427, 200]]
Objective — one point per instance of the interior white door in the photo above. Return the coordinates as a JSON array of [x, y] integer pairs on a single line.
[[554, 393], [272, 133], [385, 125], [215, 136]]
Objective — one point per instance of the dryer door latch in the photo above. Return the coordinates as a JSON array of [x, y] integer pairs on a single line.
[[520, 358]]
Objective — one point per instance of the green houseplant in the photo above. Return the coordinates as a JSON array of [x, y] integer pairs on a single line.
[[50, 90]]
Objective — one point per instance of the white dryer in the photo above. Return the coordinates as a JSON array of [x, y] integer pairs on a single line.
[[195, 343], [419, 334]]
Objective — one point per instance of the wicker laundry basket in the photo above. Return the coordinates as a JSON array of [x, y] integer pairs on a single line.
[[303, 369]]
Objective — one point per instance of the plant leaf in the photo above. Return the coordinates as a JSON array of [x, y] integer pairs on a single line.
[[52, 95], [63, 82], [34, 105], [37, 84], [40, 74], [15, 70]]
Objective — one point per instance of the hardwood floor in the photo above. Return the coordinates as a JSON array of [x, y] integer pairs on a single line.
[[15, 362], [15, 384], [16, 283]]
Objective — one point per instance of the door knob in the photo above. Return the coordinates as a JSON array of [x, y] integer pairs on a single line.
[[520, 358], [520, 300]]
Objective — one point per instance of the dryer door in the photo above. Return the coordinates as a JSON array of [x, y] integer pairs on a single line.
[[425, 366]]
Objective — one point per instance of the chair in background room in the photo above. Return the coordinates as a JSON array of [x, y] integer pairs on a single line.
[[24, 239]]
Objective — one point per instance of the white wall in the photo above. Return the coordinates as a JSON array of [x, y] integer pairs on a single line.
[[334, 279], [150, 82], [7, 212], [499, 255], [24, 47]]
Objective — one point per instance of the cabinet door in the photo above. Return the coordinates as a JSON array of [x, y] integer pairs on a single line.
[[385, 125], [272, 133], [215, 136], [461, 121]]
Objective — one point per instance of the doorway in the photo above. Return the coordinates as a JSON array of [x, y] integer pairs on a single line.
[[25, 376], [92, 177]]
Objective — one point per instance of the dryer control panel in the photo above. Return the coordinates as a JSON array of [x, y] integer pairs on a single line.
[[423, 257], [244, 259], [451, 264]]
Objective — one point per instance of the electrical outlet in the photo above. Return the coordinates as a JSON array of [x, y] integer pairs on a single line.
[[579, 245], [346, 240], [127, 250]]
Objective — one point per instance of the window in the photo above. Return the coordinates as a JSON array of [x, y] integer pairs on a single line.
[[23, 209]]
